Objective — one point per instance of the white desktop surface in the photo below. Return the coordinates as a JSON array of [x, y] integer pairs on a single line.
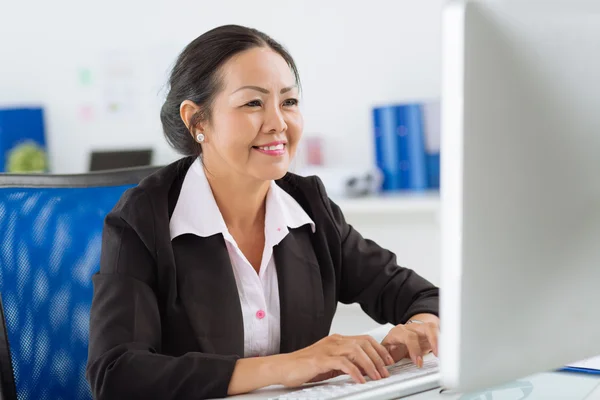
[[543, 386], [546, 386]]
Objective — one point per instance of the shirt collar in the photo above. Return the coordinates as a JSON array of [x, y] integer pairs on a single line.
[[196, 211]]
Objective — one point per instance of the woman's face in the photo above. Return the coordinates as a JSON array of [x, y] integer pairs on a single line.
[[255, 124]]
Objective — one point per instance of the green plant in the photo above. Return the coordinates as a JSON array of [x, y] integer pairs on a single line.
[[27, 157]]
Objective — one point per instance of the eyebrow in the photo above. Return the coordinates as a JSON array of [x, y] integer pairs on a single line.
[[263, 90]]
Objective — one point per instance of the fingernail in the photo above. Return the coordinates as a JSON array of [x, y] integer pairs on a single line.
[[420, 362], [390, 360], [385, 373]]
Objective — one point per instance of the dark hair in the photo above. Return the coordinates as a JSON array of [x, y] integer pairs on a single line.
[[195, 77]]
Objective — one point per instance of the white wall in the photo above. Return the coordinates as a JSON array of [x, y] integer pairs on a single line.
[[351, 55], [412, 232]]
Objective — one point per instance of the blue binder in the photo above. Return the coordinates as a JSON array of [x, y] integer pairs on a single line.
[[411, 142], [386, 146], [432, 131], [400, 147], [433, 170], [22, 140]]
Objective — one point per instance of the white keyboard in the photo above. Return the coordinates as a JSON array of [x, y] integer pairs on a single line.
[[402, 371]]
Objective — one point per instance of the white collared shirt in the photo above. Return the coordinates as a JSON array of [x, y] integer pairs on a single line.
[[196, 212]]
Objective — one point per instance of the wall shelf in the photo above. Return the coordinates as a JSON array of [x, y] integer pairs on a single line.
[[396, 203]]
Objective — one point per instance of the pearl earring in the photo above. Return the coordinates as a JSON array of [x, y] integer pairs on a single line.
[[200, 137]]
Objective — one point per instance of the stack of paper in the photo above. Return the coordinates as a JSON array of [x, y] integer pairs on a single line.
[[590, 365]]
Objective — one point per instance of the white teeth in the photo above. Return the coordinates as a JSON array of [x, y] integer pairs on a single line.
[[267, 148]]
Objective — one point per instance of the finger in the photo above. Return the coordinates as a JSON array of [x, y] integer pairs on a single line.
[[411, 340], [346, 366], [405, 336], [398, 351], [376, 358], [431, 330], [359, 357], [423, 331], [381, 350]]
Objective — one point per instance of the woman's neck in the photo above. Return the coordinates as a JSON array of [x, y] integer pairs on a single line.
[[240, 200]]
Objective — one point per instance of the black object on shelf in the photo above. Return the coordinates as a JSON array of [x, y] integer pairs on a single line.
[[118, 159]]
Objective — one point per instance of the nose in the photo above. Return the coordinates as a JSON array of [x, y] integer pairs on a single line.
[[274, 120]]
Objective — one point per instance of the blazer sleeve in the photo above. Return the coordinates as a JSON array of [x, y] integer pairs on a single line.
[[371, 277], [125, 328]]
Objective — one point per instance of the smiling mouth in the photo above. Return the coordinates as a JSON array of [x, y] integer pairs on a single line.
[[277, 147], [277, 150]]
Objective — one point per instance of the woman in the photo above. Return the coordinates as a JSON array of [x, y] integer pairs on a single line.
[[221, 273]]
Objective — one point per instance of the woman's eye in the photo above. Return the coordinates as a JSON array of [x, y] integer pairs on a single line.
[[254, 103], [290, 102]]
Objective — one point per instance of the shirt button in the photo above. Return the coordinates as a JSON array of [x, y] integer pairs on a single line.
[[260, 314]]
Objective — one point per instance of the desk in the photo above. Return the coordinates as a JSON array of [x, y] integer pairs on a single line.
[[543, 386], [546, 386]]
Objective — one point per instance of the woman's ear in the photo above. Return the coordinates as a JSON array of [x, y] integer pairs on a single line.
[[187, 110]]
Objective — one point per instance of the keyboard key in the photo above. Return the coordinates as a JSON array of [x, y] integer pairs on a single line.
[[398, 373]]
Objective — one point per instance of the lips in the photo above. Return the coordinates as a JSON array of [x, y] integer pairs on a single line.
[[272, 149]]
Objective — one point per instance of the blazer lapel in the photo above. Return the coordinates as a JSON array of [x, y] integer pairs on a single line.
[[300, 291], [209, 294]]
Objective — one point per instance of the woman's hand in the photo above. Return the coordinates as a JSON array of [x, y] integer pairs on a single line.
[[333, 356], [413, 340]]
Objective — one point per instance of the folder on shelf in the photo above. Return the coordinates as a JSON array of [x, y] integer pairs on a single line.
[[386, 146], [400, 146], [411, 147], [22, 140], [432, 130]]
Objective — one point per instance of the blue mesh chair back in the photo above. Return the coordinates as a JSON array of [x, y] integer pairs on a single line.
[[51, 232]]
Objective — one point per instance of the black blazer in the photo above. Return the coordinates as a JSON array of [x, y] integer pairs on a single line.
[[166, 318]]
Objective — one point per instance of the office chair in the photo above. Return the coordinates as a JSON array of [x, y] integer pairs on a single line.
[[51, 232]]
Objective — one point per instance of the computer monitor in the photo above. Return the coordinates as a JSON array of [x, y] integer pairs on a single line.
[[520, 187], [119, 159]]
